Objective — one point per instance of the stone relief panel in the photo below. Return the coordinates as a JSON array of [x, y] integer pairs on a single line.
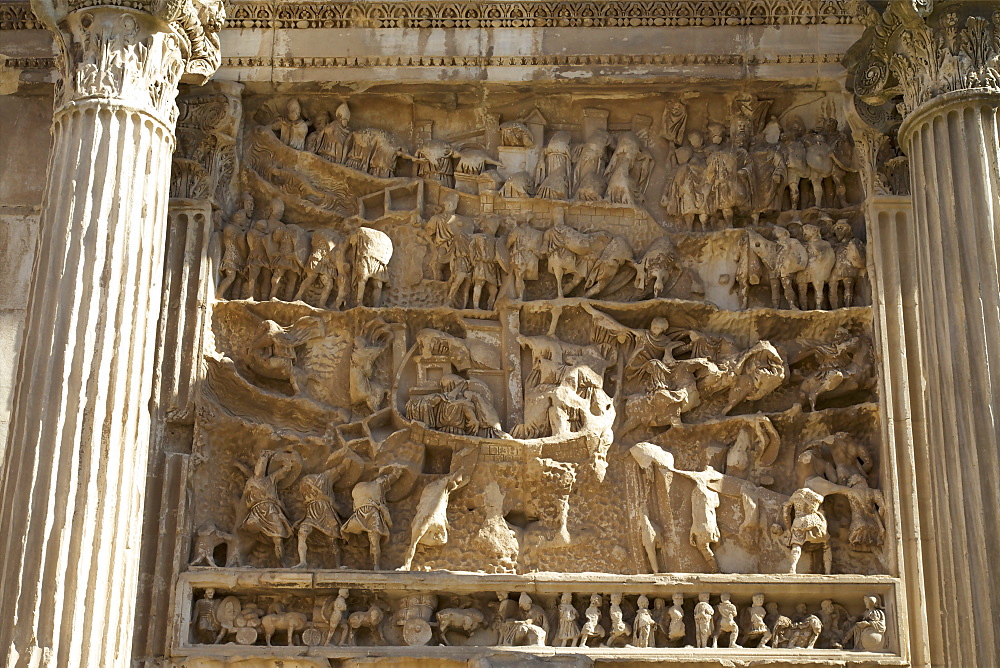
[[518, 335]]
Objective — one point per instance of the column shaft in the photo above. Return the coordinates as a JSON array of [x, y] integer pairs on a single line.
[[74, 479], [954, 151]]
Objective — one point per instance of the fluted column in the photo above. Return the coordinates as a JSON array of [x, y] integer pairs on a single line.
[[73, 482], [938, 66], [954, 154]]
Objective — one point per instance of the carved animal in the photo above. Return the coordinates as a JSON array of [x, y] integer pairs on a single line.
[[812, 159], [783, 264], [372, 252], [818, 268], [849, 267], [750, 376], [279, 620], [473, 161], [374, 151], [370, 619], [594, 258], [466, 620]]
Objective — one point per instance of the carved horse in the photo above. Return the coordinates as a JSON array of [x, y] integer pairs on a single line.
[[782, 264], [848, 268], [594, 258], [372, 252], [466, 620], [813, 159], [370, 619], [279, 620]]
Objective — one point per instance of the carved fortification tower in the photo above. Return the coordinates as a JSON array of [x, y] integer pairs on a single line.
[[499, 333]]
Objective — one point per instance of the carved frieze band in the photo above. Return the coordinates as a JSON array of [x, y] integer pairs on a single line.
[[527, 60], [569, 13]]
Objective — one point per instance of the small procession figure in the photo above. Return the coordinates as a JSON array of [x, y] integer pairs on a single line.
[[677, 631], [758, 627], [568, 630], [619, 629], [643, 624], [592, 627], [703, 615], [727, 621]]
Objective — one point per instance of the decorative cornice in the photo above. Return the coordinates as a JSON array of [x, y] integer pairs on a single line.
[[505, 14], [916, 52], [526, 60]]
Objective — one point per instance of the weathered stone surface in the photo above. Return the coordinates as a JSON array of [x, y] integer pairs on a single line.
[[501, 333]]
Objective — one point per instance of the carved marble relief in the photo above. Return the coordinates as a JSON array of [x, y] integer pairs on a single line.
[[557, 334]]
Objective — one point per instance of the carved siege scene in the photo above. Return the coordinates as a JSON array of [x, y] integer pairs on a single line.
[[516, 334]]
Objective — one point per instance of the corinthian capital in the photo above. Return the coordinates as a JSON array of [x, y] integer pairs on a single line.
[[135, 55], [916, 51]]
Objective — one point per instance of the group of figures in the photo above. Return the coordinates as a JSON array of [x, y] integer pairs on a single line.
[[268, 259], [264, 517], [745, 171], [599, 621], [832, 268]]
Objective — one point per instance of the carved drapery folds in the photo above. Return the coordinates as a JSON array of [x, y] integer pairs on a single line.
[[132, 56], [915, 51]]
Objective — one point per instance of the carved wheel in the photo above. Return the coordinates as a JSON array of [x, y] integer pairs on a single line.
[[416, 632], [312, 637], [246, 636]]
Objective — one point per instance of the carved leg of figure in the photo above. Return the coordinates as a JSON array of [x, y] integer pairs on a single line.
[[688, 219], [291, 278], [803, 291], [412, 550], [227, 281], [827, 559], [519, 284], [705, 547], [834, 295], [727, 215], [457, 281], [276, 277], [303, 546], [375, 545], [341, 301], [477, 292], [577, 279], [796, 552], [306, 283], [732, 635], [841, 189], [279, 550], [793, 187], [377, 293], [786, 283], [559, 282], [765, 637], [819, 288], [848, 292], [251, 284], [327, 287], [491, 296], [817, 185], [360, 295], [775, 293]]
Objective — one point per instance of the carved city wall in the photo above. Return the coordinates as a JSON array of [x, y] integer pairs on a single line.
[[491, 375]]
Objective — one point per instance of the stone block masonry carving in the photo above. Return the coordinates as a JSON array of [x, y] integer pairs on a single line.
[[419, 372]]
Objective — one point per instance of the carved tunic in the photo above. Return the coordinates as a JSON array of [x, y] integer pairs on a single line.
[[264, 513], [321, 514], [568, 629], [370, 514]]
